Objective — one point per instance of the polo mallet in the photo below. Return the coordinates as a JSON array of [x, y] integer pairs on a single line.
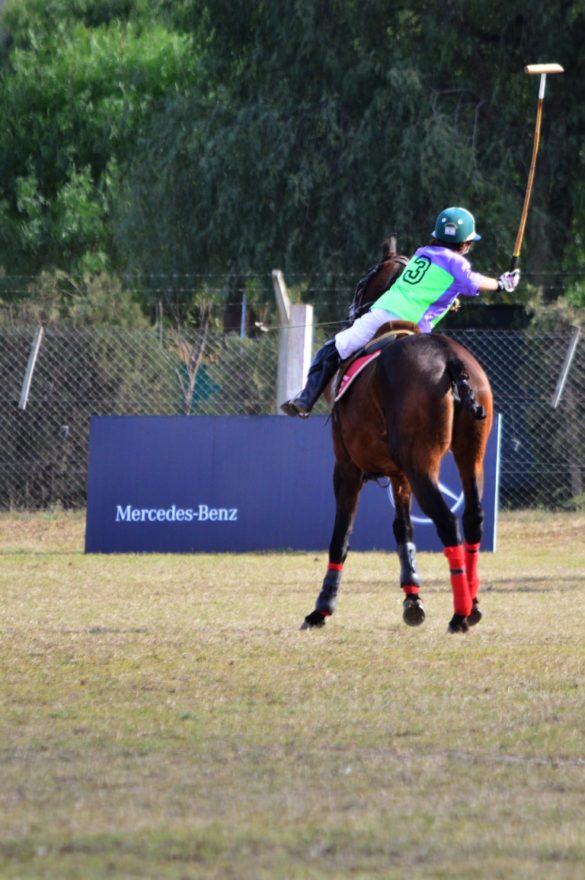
[[541, 69]]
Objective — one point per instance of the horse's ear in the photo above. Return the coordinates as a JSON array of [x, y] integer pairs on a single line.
[[389, 247]]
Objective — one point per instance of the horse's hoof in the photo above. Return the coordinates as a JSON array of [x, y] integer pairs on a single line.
[[314, 620], [458, 624], [413, 613], [475, 615]]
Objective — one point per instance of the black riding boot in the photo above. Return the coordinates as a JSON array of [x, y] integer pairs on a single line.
[[321, 371]]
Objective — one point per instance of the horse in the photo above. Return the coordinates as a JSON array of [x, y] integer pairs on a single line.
[[419, 396]]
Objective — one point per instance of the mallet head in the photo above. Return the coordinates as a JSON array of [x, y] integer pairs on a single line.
[[544, 68]]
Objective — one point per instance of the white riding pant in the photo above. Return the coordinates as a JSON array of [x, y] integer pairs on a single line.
[[361, 331]]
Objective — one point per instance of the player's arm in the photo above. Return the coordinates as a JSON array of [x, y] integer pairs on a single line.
[[508, 281]]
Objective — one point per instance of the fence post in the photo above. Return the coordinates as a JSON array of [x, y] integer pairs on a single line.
[[295, 341], [30, 367], [572, 348]]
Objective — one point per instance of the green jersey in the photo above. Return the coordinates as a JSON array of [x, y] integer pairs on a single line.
[[431, 281]]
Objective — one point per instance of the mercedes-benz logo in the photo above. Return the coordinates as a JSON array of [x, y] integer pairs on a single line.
[[455, 502]]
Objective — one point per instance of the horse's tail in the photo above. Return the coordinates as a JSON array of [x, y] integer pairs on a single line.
[[462, 390]]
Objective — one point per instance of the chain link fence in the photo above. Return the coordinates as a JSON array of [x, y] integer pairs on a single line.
[[543, 439], [80, 373]]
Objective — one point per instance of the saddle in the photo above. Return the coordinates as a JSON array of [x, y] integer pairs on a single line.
[[353, 366]]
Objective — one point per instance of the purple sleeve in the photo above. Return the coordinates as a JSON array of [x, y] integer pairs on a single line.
[[466, 280]]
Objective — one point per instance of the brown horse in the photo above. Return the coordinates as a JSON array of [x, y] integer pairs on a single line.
[[423, 395]]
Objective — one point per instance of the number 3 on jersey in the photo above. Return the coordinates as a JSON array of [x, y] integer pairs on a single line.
[[417, 270]]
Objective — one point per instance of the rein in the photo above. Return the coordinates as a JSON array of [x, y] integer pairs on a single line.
[[375, 282]]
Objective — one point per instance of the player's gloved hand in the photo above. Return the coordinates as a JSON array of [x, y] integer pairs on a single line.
[[509, 281]]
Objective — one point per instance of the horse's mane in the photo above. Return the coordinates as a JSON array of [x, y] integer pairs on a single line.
[[378, 278]]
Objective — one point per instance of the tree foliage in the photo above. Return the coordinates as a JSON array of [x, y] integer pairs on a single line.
[[207, 135], [73, 100]]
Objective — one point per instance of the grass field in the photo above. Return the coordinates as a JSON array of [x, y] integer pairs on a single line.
[[164, 717]]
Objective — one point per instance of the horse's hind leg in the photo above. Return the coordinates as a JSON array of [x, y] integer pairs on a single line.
[[347, 484], [413, 611], [472, 520], [433, 505], [470, 468]]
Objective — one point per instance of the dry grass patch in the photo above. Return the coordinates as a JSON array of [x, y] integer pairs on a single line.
[[163, 717]]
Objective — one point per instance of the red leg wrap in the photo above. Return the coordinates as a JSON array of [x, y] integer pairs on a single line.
[[471, 561], [459, 585], [335, 566], [411, 589]]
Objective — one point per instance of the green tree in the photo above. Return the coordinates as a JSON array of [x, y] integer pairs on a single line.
[[72, 104], [323, 125], [207, 136]]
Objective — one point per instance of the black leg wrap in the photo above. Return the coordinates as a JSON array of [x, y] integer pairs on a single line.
[[408, 572], [327, 599]]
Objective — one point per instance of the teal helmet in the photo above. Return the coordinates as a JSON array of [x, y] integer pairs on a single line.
[[454, 226]]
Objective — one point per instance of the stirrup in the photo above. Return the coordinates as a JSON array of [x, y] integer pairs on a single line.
[[290, 408]]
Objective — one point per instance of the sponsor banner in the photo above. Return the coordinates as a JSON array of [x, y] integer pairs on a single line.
[[184, 484]]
